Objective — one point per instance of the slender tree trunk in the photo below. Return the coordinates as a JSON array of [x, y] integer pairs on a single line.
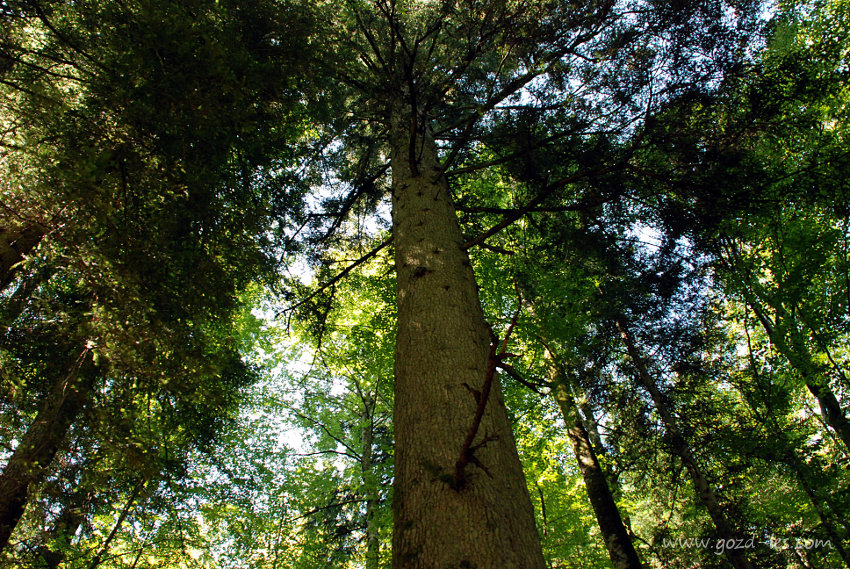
[[370, 485], [32, 457], [798, 355], [592, 426], [15, 304], [544, 520], [452, 509], [15, 244], [801, 469], [614, 533], [801, 360], [73, 513], [705, 491], [802, 557], [131, 500]]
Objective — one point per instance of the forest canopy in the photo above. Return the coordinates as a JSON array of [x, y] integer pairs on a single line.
[[424, 284]]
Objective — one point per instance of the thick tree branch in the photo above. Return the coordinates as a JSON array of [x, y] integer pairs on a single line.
[[329, 506], [137, 489], [503, 159], [354, 454], [360, 187], [467, 450], [542, 67], [329, 451], [62, 37]]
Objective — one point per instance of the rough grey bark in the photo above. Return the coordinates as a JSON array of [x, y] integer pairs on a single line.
[[678, 445], [15, 245], [33, 456], [441, 364], [614, 533]]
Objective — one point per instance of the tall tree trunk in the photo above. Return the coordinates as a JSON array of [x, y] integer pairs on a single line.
[[591, 426], [73, 513], [800, 470], [457, 503], [131, 501], [32, 457], [15, 304], [15, 244], [614, 533], [705, 491]]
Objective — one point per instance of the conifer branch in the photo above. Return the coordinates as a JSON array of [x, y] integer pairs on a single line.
[[341, 275], [536, 201]]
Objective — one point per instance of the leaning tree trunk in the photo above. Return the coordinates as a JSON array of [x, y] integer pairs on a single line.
[[131, 501], [617, 540], [796, 352], [32, 457], [705, 490], [592, 428], [65, 527], [802, 470], [460, 497]]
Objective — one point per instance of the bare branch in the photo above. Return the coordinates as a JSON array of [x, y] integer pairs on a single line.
[[511, 371]]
